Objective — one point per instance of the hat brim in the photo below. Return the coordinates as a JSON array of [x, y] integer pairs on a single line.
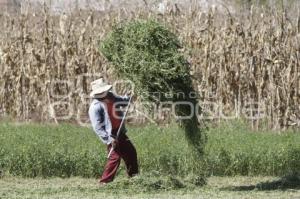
[[100, 90]]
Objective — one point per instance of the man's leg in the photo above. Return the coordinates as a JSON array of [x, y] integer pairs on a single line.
[[129, 155], [111, 166]]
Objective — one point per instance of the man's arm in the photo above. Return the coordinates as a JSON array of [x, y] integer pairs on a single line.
[[97, 118]]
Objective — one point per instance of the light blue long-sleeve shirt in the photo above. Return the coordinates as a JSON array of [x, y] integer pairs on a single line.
[[100, 119]]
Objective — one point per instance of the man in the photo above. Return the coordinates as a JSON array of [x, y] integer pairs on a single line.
[[106, 120]]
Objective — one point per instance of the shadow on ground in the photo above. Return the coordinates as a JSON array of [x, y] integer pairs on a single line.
[[286, 182]]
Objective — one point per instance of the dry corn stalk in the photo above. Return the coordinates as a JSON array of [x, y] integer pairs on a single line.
[[236, 59]]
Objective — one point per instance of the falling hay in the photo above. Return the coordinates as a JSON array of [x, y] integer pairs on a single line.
[[148, 54]]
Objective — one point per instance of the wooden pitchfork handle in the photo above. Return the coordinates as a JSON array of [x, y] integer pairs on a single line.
[[119, 130]]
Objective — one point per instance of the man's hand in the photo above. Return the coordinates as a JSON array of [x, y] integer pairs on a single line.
[[114, 143]]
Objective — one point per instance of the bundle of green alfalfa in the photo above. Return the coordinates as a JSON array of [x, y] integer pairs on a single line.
[[148, 53]]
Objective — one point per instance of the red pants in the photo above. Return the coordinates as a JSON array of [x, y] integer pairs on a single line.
[[127, 152]]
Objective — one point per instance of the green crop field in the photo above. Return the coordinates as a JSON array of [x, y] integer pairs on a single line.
[[53, 153], [34, 150]]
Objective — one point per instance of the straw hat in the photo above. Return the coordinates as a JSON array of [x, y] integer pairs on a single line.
[[99, 86]]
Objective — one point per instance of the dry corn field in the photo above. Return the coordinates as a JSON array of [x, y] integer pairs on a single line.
[[244, 65]]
